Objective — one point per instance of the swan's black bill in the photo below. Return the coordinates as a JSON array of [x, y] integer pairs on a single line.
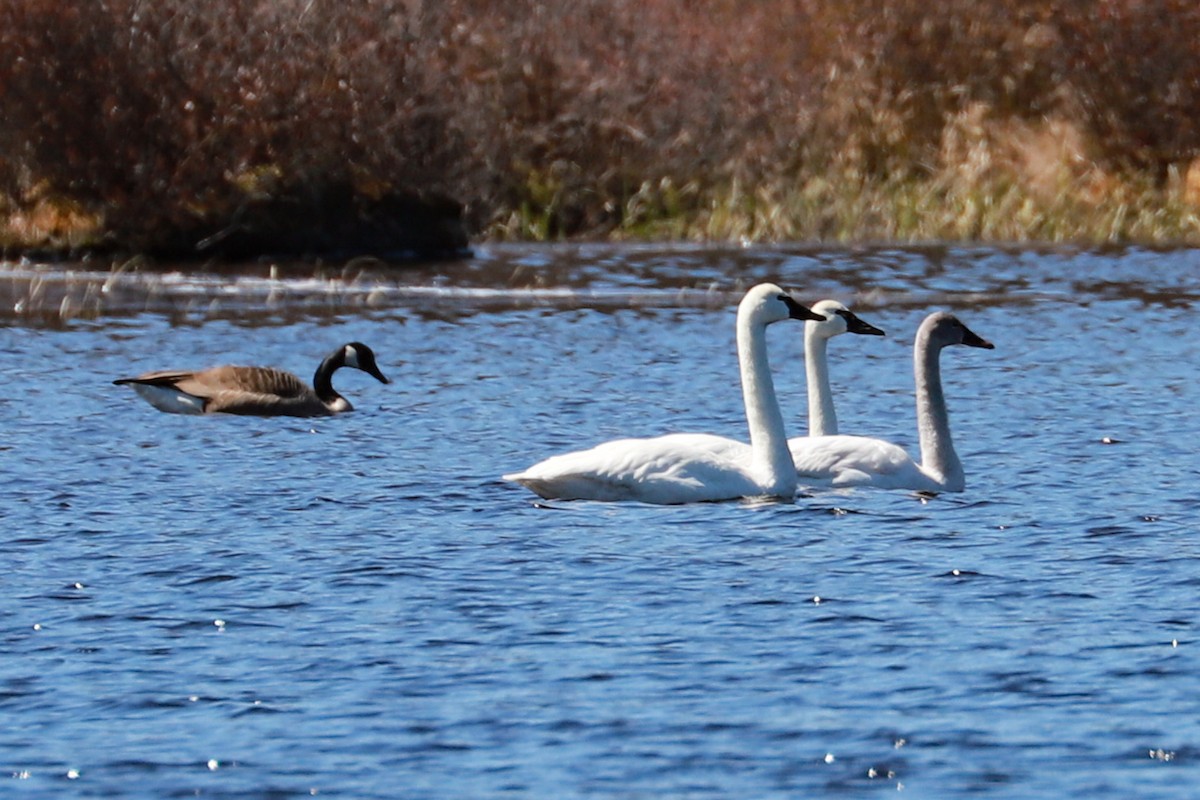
[[972, 339], [797, 311], [856, 325]]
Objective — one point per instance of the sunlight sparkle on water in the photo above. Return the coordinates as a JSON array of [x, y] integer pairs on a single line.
[[604, 650]]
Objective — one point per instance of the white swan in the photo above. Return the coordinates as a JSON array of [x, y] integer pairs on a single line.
[[822, 419], [688, 468], [863, 461]]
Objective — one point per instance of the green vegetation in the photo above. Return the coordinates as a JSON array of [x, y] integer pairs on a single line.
[[157, 126]]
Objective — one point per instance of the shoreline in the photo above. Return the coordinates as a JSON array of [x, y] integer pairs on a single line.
[[912, 215], [541, 275]]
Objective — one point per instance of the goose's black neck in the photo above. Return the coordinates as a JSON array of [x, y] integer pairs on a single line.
[[323, 378]]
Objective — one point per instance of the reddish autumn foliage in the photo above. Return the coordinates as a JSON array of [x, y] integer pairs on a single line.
[[178, 120]]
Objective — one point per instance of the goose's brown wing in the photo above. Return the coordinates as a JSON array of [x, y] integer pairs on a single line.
[[258, 391], [206, 383], [252, 380]]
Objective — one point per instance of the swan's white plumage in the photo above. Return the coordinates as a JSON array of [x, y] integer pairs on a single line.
[[822, 419], [676, 468], [841, 461], [863, 461], [689, 468]]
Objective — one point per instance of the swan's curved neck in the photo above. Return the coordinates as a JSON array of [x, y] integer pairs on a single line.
[[822, 419], [323, 383], [772, 461], [938, 457]]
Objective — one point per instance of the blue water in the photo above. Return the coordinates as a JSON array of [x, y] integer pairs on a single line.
[[358, 607]]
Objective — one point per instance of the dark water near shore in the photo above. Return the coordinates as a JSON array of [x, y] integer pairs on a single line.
[[358, 607]]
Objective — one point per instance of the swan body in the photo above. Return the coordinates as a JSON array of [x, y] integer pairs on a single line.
[[689, 468], [840, 460], [254, 391], [822, 419], [671, 469]]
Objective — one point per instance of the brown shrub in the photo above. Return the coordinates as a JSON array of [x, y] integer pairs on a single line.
[[175, 116], [574, 106], [1135, 70], [176, 120]]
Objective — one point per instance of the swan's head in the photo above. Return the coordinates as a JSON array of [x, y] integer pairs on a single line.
[[767, 303], [359, 356], [838, 320], [943, 329]]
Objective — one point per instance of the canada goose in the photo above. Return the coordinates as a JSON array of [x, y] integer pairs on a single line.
[[686, 467], [254, 391]]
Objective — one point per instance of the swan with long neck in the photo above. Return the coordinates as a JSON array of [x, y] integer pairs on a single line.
[[862, 461], [254, 391], [822, 419], [683, 467]]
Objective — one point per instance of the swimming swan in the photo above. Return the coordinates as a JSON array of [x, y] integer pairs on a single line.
[[863, 461], [687, 468], [822, 419], [254, 391]]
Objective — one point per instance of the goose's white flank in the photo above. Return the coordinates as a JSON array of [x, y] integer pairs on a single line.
[[688, 468], [841, 460], [254, 391]]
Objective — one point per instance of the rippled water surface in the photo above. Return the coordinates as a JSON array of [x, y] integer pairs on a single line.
[[358, 607]]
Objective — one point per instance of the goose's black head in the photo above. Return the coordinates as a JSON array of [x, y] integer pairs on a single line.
[[359, 356]]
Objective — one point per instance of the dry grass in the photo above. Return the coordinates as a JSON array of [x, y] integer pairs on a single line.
[[162, 124]]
